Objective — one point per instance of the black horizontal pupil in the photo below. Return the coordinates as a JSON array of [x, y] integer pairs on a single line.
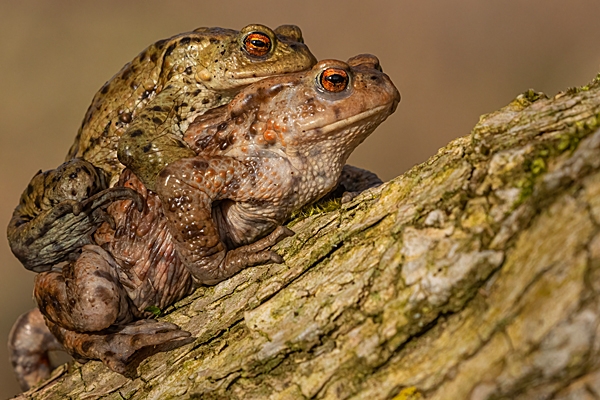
[[258, 43], [336, 79]]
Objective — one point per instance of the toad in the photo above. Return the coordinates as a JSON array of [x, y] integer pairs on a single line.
[[172, 82], [280, 144]]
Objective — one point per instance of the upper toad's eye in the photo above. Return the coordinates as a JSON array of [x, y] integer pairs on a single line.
[[334, 79], [257, 44]]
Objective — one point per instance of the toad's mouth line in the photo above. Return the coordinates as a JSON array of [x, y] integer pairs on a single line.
[[350, 120], [253, 76]]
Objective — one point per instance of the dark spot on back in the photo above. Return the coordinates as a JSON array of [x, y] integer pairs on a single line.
[[157, 108], [127, 72], [105, 88], [199, 164], [213, 40], [136, 133], [157, 120], [146, 148], [185, 40], [106, 129], [170, 49], [205, 101]]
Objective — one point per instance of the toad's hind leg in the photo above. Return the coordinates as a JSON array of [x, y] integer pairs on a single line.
[[86, 295], [116, 347], [59, 211], [29, 342], [88, 310]]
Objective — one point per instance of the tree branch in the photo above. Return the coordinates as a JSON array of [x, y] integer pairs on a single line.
[[474, 275]]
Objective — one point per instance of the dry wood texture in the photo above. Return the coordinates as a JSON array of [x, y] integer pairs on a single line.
[[475, 275]]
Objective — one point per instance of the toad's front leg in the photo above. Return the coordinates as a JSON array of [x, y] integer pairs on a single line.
[[188, 188]]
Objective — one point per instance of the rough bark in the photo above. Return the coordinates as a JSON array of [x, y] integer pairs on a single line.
[[475, 275]]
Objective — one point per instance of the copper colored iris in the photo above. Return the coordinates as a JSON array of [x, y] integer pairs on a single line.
[[334, 80], [257, 44]]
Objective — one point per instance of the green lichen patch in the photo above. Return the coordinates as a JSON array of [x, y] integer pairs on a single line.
[[154, 310], [527, 98], [320, 207], [594, 83]]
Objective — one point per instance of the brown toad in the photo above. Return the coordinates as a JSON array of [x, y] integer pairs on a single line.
[[280, 144]]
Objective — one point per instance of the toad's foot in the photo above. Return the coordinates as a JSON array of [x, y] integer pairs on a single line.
[[29, 342], [354, 181], [116, 349], [257, 253]]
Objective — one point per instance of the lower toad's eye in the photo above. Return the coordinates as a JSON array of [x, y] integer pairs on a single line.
[[334, 80], [257, 44]]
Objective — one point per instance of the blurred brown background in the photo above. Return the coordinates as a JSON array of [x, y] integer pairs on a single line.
[[451, 60]]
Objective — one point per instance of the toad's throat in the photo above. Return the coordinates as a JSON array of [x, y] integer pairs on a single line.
[[341, 124]]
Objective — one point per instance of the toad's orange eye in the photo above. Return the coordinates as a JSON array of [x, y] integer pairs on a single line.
[[334, 79], [257, 44]]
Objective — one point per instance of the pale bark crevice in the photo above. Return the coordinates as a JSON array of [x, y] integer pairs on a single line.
[[474, 275]]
